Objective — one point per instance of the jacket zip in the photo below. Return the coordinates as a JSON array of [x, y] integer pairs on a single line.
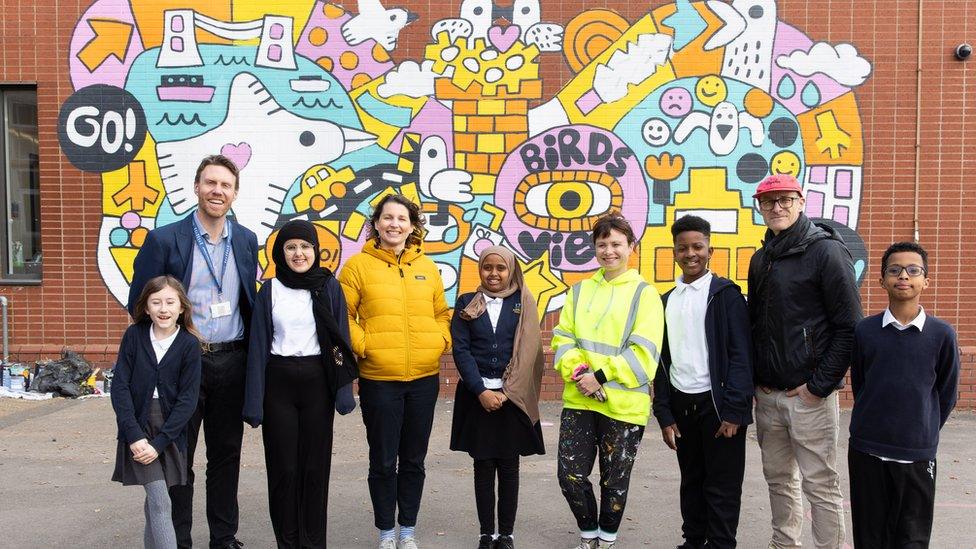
[[406, 334], [708, 357]]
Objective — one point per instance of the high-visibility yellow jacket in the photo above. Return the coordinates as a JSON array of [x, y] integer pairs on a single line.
[[399, 321], [616, 328]]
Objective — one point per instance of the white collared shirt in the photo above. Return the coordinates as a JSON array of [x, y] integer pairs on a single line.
[[294, 323], [918, 321], [494, 307], [685, 316], [160, 346]]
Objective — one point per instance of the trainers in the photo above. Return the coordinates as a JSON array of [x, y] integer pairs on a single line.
[[604, 544], [588, 543], [505, 542], [486, 542], [388, 543], [407, 543]]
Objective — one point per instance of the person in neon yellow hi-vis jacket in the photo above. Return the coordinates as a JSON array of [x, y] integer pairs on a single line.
[[606, 350]]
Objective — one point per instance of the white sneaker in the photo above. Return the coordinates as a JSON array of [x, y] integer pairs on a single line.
[[407, 543], [388, 543], [603, 544], [588, 543]]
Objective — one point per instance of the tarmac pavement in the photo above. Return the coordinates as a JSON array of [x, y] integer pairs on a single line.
[[56, 458]]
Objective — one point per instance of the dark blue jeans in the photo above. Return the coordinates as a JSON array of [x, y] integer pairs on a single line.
[[219, 410], [398, 416]]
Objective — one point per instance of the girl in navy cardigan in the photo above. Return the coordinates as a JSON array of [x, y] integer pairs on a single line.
[[498, 353], [154, 392]]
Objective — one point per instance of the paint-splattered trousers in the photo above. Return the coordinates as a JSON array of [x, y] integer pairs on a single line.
[[582, 435]]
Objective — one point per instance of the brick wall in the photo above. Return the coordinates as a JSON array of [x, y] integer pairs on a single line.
[[72, 307]]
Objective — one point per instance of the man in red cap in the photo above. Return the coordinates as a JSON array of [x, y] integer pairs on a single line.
[[803, 305]]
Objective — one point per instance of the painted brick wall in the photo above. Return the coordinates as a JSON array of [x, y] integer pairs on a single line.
[[73, 308]]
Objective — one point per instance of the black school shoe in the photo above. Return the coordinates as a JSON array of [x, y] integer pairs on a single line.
[[486, 542], [504, 542]]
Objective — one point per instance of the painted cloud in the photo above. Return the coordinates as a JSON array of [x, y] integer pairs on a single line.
[[840, 62]]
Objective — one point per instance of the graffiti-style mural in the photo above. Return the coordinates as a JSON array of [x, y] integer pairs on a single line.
[[682, 111]]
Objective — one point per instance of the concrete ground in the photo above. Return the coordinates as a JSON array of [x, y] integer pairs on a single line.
[[56, 458]]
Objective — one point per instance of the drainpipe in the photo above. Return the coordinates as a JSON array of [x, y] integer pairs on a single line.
[[918, 122], [6, 340]]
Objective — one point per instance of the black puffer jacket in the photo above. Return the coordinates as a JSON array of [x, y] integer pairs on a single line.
[[803, 305]]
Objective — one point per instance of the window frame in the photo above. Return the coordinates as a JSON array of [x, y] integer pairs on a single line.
[[6, 278]]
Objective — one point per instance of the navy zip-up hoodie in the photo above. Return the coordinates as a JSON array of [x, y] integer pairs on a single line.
[[729, 357]]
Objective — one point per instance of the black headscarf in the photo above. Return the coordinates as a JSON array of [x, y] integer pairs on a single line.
[[334, 347]]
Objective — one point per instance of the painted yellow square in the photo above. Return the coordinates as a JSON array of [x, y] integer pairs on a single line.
[[482, 184], [491, 143], [460, 123]]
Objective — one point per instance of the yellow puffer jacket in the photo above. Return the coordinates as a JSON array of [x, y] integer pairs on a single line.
[[399, 321]]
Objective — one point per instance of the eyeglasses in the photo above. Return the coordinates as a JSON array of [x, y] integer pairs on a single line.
[[785, 202], [896, 270]]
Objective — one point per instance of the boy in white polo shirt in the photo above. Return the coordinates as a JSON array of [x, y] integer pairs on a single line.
[[703, 389]]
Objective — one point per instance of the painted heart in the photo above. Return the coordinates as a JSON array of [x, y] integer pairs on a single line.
[[239, 153], [503, 37]]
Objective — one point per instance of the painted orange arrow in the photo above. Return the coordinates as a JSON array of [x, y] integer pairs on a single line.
[[112, 37], [136, 191]]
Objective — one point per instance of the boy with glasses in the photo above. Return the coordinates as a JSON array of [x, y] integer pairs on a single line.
[[904, 377]]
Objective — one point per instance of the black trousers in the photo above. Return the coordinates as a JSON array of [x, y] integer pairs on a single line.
[[507, 471], [297, 431], [892, 504], [582, 434], [398, 416], [219, 410], [711, 472]]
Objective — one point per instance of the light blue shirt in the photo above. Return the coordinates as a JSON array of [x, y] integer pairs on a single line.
[[203, 289]]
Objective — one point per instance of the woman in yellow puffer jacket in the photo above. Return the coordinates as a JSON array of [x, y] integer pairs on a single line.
[[399, 323]]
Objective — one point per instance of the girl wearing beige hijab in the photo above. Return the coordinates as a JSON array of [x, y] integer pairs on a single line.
[[498, 353]]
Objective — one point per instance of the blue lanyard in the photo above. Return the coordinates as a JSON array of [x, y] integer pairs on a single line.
[[206, 257]]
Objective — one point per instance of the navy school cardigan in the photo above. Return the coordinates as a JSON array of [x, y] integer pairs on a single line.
[[136, 374]]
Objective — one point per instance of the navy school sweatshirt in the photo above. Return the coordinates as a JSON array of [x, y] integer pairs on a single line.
[[904, 384]]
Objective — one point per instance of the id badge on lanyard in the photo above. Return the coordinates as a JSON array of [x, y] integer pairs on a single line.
[[222, 307]]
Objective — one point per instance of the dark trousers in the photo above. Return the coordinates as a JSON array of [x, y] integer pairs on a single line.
[[892, 504], [219, 410], [297, 431], [711, 472], [507, 471], [583, 434], [398, 416]]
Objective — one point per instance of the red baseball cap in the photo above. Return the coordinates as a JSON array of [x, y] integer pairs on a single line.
[[778, 182]]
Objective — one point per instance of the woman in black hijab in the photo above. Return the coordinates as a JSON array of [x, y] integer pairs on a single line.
[[300, 369]]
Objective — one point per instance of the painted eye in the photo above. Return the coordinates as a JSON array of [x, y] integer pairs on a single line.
[[526, 10], [479, 10], [567, 200], [393, 17], [307, 138]]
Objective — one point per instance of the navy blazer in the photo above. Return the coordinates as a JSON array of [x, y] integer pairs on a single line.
[[169, 250], [478, 350], [259, 346], [136, 374], [729, 341]]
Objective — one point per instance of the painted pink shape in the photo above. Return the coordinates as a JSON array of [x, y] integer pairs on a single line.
[[111, 71], [815, 204], [503, 37], [788, 40], [481, 245], [274, 52], [588, 101], [842, 184], [239, 153], [433, 119], [335, 46], [277, 31], [818, 175]]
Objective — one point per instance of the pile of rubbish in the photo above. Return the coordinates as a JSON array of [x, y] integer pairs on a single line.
[[70, 376]]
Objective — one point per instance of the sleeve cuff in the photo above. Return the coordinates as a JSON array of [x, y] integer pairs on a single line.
[[600, 376]]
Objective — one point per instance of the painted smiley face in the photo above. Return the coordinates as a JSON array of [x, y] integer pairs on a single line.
[[711, 90], [656, 132], [676, 102], [785, 162]]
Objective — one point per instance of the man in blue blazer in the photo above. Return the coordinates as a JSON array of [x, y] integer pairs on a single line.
[[216, 258]]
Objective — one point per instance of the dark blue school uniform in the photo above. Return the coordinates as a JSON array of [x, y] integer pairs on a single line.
[[482, 352]]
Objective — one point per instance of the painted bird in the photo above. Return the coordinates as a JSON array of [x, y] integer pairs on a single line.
[[377, 23]]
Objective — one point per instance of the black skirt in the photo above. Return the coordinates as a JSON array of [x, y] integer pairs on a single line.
[[502, 434], [169, 466]]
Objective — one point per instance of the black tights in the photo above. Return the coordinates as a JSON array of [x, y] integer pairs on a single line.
[[484, 493]]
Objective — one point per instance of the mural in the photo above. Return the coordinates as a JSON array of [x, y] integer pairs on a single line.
[[682, 111]]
